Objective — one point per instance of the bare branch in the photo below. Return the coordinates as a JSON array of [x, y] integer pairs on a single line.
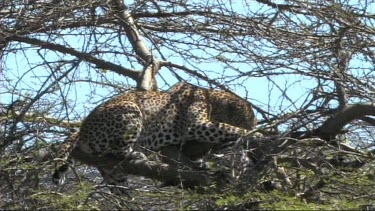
[[343, 59], [83, 56], [332, 126], [151, 64]]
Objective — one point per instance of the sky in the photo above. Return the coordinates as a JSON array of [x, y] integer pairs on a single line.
[[260, 91], [15, 65]]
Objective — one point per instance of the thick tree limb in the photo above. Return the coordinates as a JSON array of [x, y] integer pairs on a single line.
[[334, 125], [151, 64], [368, 120], [151, 169]]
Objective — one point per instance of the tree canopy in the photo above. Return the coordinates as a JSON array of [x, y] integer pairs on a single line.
[[307, 68]]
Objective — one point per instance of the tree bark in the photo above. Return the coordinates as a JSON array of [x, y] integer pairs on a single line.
[[169, 174], [332, 126], [151, 65]]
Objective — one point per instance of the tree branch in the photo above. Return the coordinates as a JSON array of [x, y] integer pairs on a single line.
[[279, 6], [135, 75], [151, 169], [368, 120], [151, 64], [332, 126], [40, 118], [343, 58]]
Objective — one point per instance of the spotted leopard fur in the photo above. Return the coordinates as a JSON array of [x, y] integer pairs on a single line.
[[151, 120]]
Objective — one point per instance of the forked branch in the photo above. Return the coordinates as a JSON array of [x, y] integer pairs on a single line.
[[332, 126]]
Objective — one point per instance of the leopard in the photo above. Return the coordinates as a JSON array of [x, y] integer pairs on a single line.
[[134, 123]]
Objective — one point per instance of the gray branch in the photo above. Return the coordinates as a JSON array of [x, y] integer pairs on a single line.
[[150, 63]]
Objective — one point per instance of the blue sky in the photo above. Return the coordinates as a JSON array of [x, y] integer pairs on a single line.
[[259, 90]]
